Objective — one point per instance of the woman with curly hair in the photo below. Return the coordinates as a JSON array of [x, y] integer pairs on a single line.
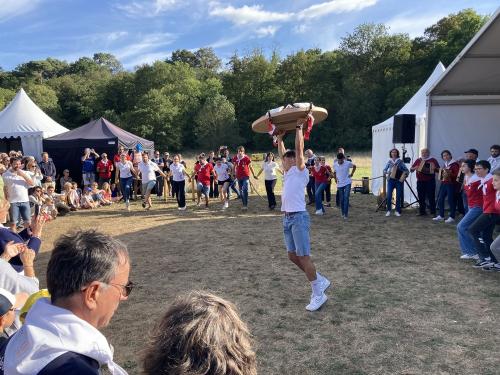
[[200, 334]]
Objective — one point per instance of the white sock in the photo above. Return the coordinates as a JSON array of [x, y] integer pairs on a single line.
[[316, 287]]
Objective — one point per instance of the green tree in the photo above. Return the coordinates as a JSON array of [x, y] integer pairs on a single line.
[[6, 95], [44, 97], [108, 61]]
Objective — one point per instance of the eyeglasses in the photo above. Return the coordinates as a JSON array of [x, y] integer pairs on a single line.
[[125, 289]]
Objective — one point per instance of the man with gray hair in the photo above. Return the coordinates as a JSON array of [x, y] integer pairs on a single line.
[[87, 278]]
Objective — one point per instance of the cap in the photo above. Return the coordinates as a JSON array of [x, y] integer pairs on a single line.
[[42, 293], [138, 147], [88, 189], [7, 301], [472, 151]]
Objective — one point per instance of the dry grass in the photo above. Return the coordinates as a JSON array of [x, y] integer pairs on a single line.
[[401, 301]]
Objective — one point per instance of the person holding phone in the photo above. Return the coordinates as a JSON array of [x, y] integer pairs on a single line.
[[88, 166]]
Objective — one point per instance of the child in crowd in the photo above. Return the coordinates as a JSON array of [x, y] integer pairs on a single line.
[[98, 195], [87, 201], [48, 208], [116, 195]]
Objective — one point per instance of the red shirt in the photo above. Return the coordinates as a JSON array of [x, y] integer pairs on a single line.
[[203, 173], [104, 168], [242, 167], [489, 196], [321, 175], [453, 170], [117, 159], [497, 202], [426, 176], [473, 192]]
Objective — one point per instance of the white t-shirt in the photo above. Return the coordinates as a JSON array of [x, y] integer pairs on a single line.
[[270, 170], [148, 171], [294, 184], [16, 186], [342, 171], [177, 172], [125, 169], [222, 172]]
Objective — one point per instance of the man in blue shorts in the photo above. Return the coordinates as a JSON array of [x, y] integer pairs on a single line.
[[296, 224]]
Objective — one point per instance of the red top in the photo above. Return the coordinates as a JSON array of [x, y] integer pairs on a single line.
[[489, 196], [242, 167], [497, 202], [453, 168], [425, 176], [473, 192], [104, 168], [117, 159], [203, 173], [321, 175]]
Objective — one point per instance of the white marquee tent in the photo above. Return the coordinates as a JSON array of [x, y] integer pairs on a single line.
[[382, 134], [24, 119], [464, 104]]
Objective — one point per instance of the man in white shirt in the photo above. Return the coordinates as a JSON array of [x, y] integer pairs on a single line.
[[16, 184], [148, 177], [296, 224], [494, 159], [342, 173]]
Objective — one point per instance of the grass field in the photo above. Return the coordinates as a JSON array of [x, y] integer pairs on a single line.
[[401, 301]]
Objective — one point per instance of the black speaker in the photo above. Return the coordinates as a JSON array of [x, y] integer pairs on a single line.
[[403, 130]]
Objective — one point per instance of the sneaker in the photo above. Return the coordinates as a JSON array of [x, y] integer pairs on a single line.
[[388, 213], [495, 267], [483, 263], [182, 208], [467, 256], [244, 208], [225, 205], [438, 218], [316, 302], [325, 284], [397, 214], [450, 220], [476, 257], [319, 212]]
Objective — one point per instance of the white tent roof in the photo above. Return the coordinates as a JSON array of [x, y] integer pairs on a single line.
[[417, 104], [22, 117], [476, 69]]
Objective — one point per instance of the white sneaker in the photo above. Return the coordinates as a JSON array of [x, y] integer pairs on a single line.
[[397, 214], [244, 208], [467, 256], [226, 205], [476, 257], [438, 218], [325, 284], [316, 302], [450, 220], [388, 213], [319, 212], [182, 208]]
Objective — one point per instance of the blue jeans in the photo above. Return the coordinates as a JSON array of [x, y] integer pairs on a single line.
[[447, 190], [463, 195], [126, 185], [391, 185], [243, 184], [20, 210], [344, 193], [296, 226], [318, 195], [464, 238]]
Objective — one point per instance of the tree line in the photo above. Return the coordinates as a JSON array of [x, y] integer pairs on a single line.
[[191, 100]]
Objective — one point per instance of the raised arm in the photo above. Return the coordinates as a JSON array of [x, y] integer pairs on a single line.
[[353, 169], [299, 145], [281, 145]]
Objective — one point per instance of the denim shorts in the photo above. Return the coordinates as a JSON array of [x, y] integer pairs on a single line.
[[296, 228], [203, 189], [20, 210], [148, 186]]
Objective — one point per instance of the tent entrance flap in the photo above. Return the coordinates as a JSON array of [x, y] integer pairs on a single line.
[[10, 144]]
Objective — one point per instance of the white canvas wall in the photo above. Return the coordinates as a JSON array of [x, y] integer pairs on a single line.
[[459, 127]]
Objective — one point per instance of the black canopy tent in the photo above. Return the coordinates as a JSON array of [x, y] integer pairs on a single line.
[[67, 149]]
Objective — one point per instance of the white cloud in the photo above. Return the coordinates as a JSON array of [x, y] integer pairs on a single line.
[[146, 59], [146, 45], [115, 35], [412, 24], [264, 31], [228, 41], [335, 6], [151, 8], [13, 8], [246, 15]]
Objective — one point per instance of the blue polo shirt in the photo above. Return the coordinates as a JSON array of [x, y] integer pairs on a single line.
[[88, 165]]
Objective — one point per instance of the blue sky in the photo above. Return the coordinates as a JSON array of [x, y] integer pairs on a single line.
[[142, 31]]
